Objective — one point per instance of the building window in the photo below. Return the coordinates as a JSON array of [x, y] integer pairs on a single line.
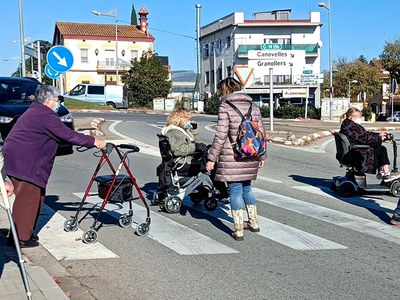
[[212, 76], [84, 56], [212, 48], [219, 74], [110, 58], [207, 77], [206, 50], [228, 41], [134, 55], [229, 71]]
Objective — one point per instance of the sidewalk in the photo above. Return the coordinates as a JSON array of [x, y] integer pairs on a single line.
[[42, 285]]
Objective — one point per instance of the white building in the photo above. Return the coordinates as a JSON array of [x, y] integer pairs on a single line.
[[248, 49], [93, 47]]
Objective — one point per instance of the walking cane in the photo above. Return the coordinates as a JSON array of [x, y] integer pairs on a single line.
[[16, 241]]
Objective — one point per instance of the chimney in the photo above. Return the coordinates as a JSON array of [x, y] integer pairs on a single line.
[[144, 26]]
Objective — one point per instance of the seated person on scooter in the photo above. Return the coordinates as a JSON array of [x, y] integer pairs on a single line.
[[182, 134], [374, 157]]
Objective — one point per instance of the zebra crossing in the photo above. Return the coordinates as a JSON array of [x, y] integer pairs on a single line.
[[187, 241]]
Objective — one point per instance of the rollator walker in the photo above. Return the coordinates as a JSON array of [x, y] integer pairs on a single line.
[[114, 188]]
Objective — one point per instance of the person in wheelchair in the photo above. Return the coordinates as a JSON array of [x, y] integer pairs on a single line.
[[182, 135], [371, 159]]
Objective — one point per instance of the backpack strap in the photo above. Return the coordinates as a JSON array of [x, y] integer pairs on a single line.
[[239, 113]]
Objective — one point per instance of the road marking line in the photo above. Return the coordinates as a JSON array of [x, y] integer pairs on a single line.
[[177, 237], [268, 179], [376, 204], [62, 245], [376, 229], [286, 235], [144, 148]]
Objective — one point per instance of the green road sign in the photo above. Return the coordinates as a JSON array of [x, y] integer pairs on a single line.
[[307, 72], [271, 47]]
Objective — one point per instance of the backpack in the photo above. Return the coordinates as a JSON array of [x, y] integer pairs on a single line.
[[250, 142]]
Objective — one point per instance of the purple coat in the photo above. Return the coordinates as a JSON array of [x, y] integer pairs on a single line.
[[359, 135], [31, 146]]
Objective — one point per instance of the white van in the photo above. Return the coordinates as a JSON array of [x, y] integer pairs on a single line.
[[112, 95]]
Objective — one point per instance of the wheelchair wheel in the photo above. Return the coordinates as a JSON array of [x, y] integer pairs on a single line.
[[125, 221], [70, 225], [202, 194], [90, 236], [395, 188], [210, 204], [143, 229], [346, 189], [172, 204]]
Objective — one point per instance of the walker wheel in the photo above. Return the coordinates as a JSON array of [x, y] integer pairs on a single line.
[[90, 236], [125, 221], [395, 188], [210, 204], [172, 204], [70, 225], [143, 229]]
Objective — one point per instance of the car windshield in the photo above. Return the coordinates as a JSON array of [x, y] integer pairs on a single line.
[[17, 91]]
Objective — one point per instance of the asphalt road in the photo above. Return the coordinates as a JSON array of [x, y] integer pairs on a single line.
[[313, 244]]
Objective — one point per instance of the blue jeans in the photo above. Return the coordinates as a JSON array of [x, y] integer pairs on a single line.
[[239, 192]]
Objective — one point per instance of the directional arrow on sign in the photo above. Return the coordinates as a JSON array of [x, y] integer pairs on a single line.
[[61, 61], [60, 58]]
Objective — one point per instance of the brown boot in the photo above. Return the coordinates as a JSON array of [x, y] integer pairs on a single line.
[[237, 216], [252, 223]]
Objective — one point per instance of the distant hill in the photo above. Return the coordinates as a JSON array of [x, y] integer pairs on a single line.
[[183, 76]]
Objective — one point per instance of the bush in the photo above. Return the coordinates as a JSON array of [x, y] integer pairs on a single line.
[[211, 105], [367, 113], [291, 112]]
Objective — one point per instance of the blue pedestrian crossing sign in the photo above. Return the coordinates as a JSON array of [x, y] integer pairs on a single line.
[[52, 74], [60, 59]]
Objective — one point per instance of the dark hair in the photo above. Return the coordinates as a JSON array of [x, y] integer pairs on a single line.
[[228, 86]]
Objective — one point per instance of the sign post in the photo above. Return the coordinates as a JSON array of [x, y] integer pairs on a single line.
[[271, 100]]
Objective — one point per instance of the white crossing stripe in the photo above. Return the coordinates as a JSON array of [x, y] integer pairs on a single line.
[[62, 245], [278, 232], [268, 179], [171, 234], [374, 203], [376, 229]]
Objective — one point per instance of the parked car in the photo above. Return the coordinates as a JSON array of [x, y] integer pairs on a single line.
[[112, 95], [16, 94], [396, 117]]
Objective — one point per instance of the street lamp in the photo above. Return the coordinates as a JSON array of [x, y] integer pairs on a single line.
[[21, 35], [114, 15], [350, 82], [327, 5]]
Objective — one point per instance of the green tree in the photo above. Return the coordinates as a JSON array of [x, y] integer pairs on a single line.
[[44, 48], [367, 77], [390, 58], [146, 80], [133, 16]]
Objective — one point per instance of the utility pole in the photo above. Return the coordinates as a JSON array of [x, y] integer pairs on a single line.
[[199, 71]]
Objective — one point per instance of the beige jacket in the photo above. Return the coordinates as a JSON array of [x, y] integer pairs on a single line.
[[221, 150]]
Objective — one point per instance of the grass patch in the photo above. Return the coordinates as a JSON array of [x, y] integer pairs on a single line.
[[77, 104]]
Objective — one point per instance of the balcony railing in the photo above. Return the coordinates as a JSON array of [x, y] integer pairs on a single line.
[[311, 49]]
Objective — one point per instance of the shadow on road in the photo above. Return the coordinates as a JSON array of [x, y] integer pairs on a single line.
[[367, 203]]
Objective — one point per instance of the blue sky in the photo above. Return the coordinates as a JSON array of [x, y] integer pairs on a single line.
[[358, 26]]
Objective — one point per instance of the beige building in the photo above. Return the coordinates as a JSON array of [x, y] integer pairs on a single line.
[[94, 48]]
